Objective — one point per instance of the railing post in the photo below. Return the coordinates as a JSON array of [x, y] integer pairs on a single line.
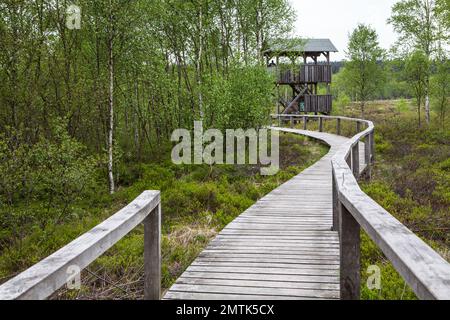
[[305, 123], [320, 124], [367, 150], [335, 203], [292, 122], [349, 160], [367, 156], [358, 127], [372, 146], [349, 233], [355, 160], [338, 129], [152, 255]]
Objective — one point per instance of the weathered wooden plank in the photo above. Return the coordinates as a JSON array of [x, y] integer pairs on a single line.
[[271, 265], [211, 274], [262, 270], [263, 239], [174, 295], [271, 239], [325, 235], [299, 293], [270, 255], [256, 226], [308, 253], [261, 249], [277, 232], [284, 220], [273, 244], [260, 283], [265, 259]]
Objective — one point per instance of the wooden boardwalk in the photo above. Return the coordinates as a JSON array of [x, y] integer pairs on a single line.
[[280, 248], [283, 247]]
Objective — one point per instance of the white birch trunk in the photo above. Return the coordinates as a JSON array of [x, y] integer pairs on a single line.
[[111, 115], [199, 61]]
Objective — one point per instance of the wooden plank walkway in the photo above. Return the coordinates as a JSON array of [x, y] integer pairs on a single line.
[[280, 248]]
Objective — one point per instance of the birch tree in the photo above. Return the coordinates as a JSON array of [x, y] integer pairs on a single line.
[[417, 23], [362, 71], [416, 70]]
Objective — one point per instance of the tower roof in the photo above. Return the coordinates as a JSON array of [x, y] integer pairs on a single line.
[[298, 46]]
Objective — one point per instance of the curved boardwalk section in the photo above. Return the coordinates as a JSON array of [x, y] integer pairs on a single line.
[[280, 248], [301, 241]]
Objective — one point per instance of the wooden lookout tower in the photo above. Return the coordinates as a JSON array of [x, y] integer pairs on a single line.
[[309, 80]]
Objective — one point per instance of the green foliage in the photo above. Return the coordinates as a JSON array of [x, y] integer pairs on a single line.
[[416, 71], [166, 54], [393, 287], [402, 106], [40, 182], [440, 89], [417, 22], [241, 100], [340, 103], [395, 85], [363, 72], [443, 11], [342, 85]]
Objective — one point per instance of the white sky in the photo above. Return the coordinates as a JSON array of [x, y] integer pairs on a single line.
[[340, 18]]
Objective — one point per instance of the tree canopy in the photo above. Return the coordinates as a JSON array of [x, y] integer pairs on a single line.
[[363, 71]]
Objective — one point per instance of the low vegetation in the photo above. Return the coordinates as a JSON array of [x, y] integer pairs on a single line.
[[411, 180], [87, 113], [197, 202]]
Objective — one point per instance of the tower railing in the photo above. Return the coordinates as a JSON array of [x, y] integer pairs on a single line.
[[306, 73]]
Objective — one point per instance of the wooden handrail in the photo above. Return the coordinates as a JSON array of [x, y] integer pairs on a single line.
[[426, 272], [44, 278]]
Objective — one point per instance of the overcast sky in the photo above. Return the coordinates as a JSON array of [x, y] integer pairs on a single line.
[[335, 19]]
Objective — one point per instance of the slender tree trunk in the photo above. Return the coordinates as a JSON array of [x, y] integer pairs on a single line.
[[111, 112], [199, 64], [363, 109], [429, 25], [135, 119], [427, 102], [418, 111]]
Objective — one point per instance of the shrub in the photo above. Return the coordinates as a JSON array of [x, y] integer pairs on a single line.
[[40, 182], [341, 102], [242, 100], [402, 106]]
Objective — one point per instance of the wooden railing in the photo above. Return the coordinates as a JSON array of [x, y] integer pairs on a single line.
[[44, 278], [288, 77], [426, 272], [312, 73], [306, 73], [318, 103]]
